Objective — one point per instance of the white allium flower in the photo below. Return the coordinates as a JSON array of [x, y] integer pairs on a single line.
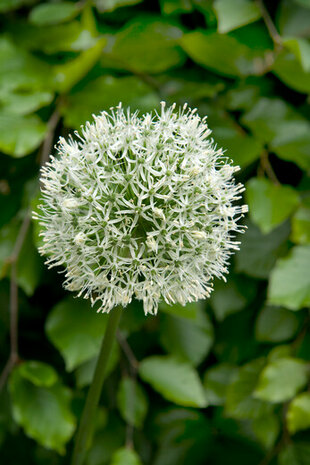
[[140, 207]]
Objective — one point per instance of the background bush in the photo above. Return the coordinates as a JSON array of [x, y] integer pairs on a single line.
[[222, 381]]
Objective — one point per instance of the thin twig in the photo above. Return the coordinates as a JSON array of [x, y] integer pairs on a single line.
[[134, 364], [269, 24], [13, 259], [48, 141], [267, 167]]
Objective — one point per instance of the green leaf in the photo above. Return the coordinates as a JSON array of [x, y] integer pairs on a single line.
[[240, 403], [231, 297], [288, 68], [29, 266], [188, 340], [38, 373], [70, 73], [232, 15], [53, 13], [132, 402], [76, 330], [20, 135], [216, 381], [281, 379], [270, 204], [301, 49], [42, 411], [125, 456], [190, 311], [177, 381], [20, 70], [273, 121], [275, 325], [148, 44], [289, 283], [222, 53], [298, 413], [52, 39], [7, 5], [266, 428], [111, 5], [170, 7], [258, 252], [183, 437], [301, 226], [23, 102], [293, 21], [303, 3], [105, 92], [295, 454]]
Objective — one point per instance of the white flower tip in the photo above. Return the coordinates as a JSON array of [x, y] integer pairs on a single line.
[[244, 208], [199, 234], [70, 203], [159, 213]]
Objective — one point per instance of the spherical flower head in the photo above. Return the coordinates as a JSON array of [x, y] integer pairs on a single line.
[[140, 207]]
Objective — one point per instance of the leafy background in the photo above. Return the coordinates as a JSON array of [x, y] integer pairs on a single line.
[[223, 381]]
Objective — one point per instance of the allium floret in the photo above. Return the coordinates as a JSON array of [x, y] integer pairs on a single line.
[[140, 207]]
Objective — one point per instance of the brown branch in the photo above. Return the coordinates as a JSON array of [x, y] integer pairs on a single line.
[[134, 364], [276, 38], [267, 168], [13, 259]]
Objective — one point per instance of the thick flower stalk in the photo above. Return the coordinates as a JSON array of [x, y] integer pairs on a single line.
[[140, 207]]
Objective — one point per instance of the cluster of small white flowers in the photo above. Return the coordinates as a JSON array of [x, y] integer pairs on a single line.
[[140, 207]]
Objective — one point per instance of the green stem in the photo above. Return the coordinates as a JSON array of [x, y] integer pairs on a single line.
[[93, 396]]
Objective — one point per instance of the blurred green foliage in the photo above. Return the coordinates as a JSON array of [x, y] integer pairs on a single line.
[[222, 381]]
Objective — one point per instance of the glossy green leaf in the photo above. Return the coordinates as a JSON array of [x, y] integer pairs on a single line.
[[216, 381], [189, 340], [105, 92], [281, 379], [222, 53], [298, 413], [76, 330], [20, 135], [270, 204], [43, 411], [301, 226], [132, 402], [46, 14], [38, 373], [275, 325], [125, 456], [240, 403], [177, 381], [258, 252], [19, 70], [232, 15], [290, 280], [148, 45], [22, 102], [70, 73]]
